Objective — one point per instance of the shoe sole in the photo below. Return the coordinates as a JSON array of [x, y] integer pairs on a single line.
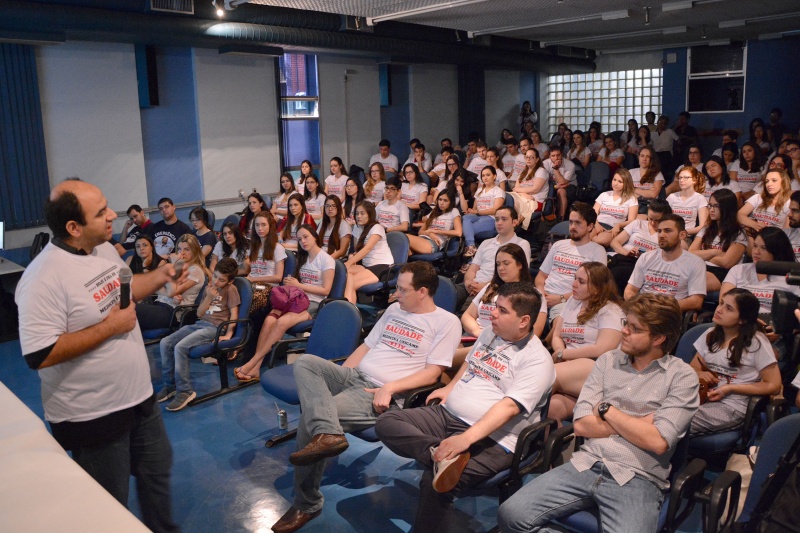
[[305, 460], [168, 397], [186, 402], [449, 477]]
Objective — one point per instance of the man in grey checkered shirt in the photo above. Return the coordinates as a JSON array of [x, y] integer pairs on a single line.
[[633, 409]]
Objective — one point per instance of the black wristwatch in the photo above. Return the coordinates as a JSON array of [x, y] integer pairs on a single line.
[[602, 409]]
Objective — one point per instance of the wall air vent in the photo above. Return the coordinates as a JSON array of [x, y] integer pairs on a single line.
[[185, 7]]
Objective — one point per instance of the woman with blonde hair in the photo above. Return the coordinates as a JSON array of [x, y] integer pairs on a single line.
[[615, 208], [375, 184], [771, 207], [530, 189]]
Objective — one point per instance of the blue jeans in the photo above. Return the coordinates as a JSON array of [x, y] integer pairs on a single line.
[[472, 224], [333, 401], [175, 353], [145, 452], [630, 508]]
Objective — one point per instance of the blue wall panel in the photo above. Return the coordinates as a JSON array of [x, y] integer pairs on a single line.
[[396, 117]]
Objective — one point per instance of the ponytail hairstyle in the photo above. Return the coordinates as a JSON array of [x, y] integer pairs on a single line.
[[341, 165], [372, 219], [268, 252], [748, 306], [333, 223]]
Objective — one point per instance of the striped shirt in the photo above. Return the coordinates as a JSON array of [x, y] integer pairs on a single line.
[[667, 387]]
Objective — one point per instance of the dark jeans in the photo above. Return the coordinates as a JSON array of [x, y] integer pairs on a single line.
[[145, 452], [153, 315]]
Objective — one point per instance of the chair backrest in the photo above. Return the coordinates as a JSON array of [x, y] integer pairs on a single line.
[[562, 228], [425, 178], [39, 242], [234, 218], [268, 201], [446, 295], [339, 280], [336, 330], [289, 264], [508, 201], [685, 349], [453, 246], [398, 244], [245, 289], [212, 219], [598, 174]]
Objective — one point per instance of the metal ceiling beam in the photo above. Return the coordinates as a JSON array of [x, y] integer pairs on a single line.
[[372, 21], [610, 15]]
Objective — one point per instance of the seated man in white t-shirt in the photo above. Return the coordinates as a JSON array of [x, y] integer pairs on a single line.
[[562, 174], [385, 157], [477, 163], [440, 158], [557, 272], [793, 231], [409, 347], [419, 157], [670, 270], [393, 214], [481, 269], [499, 390]]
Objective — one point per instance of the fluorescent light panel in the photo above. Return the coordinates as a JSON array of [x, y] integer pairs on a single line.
[[371, 21], [677, 6], [610, 15]]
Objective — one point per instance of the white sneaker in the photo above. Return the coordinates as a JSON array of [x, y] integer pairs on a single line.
[[447, 473], [209, 360]]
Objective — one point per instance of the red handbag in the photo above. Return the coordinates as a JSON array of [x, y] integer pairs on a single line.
[[287, 299]]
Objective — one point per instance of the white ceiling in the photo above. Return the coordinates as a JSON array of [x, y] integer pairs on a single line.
[[559, 22]]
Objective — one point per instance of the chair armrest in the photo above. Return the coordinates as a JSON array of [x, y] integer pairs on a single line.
[[755, 406], [686, 483], [555, 444], [531, 439], [281, 349], [728, 484], [777, 409], [417, 397], [221, 331], [188, 308]]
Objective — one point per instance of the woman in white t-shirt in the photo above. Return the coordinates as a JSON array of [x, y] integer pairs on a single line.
[[281, 204], [641, 140], [594, 141], [232, 244], [611, 153], [372, 257], [615, 208], [748, 169], [541, 147], [413, 192], [771, 207], [267, 256], [721, 243], [589, 325], [579, 152], [734, 360], [647, 179], [314, 198], [313, 275], [488, 199], [630, 134], [717, 178], [353, 195], [690, 203], [493, 160], [297, 216], [437, 228], [376, 183], [531, 189], [334, 231], [334, 184], [306, 170]]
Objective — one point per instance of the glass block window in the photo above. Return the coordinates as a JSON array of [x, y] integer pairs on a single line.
[[299, 109], [610, 98]]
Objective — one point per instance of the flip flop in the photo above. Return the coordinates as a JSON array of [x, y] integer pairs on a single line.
[[244, 378]]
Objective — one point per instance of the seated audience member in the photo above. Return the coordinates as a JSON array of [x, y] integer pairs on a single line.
[[157, 315], [306, 170], [334, 231], [793, 231], [234, 245], [758, 136], [205, 235], [610, 153], [488, 199], [594, 141], [461, 187], [557, 272], [493, 160], [728, 137], [524, 145], [267, 256], [136, 224], [313, 274], [480, 271], [638, 237], [314, 198], [643, 139], [579, 153], [730, 152], [297, 216], [393, 214], [690, 203], [440, 174], [734, 360], [145, 257], [165, 233], [647, 179], [771, 207], [770, 244], [500, 389], [281, 204], [793, 151], [413, 192], [219, 304], [443, 223], [721, 243], [562, 173], [535, 141], [531, 188], [419, 158], [335, 183], [510, 156], [778, 162], [478, 161], [694, 158], [372, 256], [748, 169], [636, 405], [375, 184], [437, 171], [671, 270], [387, 160], [353, 195], [255, 204], [588, 326], [444, 143], [630, 134], [335, 399], [664, 140], [615, 208], [717, 177]]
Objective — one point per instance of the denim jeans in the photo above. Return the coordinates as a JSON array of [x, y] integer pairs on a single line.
[[473, 224], [145, 452], [630, 508], [333, 400], [175, 353]]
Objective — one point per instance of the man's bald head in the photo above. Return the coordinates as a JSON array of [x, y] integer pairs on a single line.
[[64, 205]]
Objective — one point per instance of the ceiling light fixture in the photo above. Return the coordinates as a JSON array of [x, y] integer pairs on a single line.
[[609, 15], [372, 21], [677, 6], [731, 24], [647, 16], [704, 36], [614, 36], [220, 12]]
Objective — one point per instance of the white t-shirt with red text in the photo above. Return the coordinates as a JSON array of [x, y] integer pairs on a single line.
[[389, 215], [485, 257], [794, 238], [485, 309], [636, 176], [687, 208], [681, 278], [640, 237], [768, 216], [563, 261], [311, 273], [747, 180], [485, 199], [614, 211], [716, 244], [261, 268], [336, 186], [745, 277], [380, 253], [576, 335], [411, 194]]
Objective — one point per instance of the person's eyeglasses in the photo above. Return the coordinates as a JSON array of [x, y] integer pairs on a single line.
[[684, 177], [405, 290], [350, 186], [792, 150], [330, 206], [713, 206], [409, 173], [694, 152], [452, 164], [391, 189], [633, 329]]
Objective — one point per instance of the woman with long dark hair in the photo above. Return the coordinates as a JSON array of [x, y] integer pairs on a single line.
[[717, 177], [579, 153], [372, 255], [205, 236], [353, 195], [297, 216], [281, 204], [145, 257], [488, 199], [413, 192], [440, 225], [721, 243], [267, 255], [647, 179], [734, 360], [334, 231], [335, 183], [306, 170], [747, 170], [255, 203], [462, 191], [232, 244], [314, 198]]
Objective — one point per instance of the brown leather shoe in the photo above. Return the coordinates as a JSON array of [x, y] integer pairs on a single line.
[[293, 520], [321, 446]]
